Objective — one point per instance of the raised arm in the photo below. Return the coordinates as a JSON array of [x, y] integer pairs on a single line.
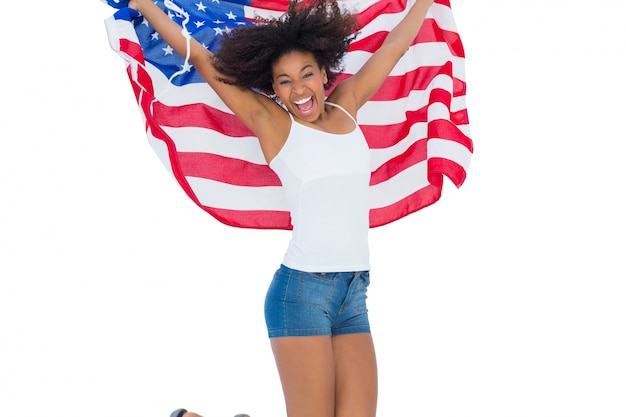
[[358, 89], [258, 112], [172, 34]]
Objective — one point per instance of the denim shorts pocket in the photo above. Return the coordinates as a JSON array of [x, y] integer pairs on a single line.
[[316, 288], [360, 294]]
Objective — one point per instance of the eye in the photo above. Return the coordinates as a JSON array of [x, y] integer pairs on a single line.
[[283, 82], [308, 74]]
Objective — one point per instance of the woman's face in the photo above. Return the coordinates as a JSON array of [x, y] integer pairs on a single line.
[[299, 83]]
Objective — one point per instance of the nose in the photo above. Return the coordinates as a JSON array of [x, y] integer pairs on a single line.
[[298, 86]]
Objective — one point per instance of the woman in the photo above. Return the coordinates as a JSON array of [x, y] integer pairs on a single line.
[[274, 77]]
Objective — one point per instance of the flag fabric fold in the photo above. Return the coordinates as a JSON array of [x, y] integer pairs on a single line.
[[416, 125]]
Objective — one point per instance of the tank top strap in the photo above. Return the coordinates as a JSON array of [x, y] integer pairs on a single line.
[[343, 110]]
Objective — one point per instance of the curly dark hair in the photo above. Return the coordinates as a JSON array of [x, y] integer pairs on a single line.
[[246, 55]]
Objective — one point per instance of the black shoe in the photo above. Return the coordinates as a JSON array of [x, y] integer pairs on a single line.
[[181, 412], [178, 413]]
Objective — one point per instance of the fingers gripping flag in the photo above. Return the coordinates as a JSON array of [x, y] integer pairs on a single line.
[[416, 125]]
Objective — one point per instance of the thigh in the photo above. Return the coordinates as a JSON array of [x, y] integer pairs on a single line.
[[307, 374], [356, 376]]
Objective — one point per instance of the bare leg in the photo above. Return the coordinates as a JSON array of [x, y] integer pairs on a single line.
[[356, 376], [328, 377], [307, 372]]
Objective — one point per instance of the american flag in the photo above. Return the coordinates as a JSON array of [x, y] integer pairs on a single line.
[[416, 125]]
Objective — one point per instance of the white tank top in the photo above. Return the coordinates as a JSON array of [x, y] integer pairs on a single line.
[[326, 180]]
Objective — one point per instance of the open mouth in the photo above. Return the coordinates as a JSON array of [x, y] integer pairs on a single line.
[[304, 105]]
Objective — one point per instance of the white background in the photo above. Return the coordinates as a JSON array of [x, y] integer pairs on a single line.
[[119, 297]]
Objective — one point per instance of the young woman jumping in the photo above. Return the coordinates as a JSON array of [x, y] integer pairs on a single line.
[[274, 77]]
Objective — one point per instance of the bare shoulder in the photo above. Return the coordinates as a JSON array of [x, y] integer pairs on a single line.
[[267, 120], [343, 96], [271, 124]]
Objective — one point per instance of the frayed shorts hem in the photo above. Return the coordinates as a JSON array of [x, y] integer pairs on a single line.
[[317, 332]]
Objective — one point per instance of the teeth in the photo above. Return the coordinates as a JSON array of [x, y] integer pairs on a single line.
[[303, 100]]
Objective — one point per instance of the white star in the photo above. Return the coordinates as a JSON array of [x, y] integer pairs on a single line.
[[155, 36], [199, 24], [215, 1], [186, 67], [201, 7], [218, 31], [231, 16], [168, 50], [145, 23], [218, 22]]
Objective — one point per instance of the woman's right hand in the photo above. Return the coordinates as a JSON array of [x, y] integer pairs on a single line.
[[134, 4], [120, 4], [138, 4]]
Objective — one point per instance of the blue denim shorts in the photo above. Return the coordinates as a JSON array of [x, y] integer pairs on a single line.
[[316, 303]]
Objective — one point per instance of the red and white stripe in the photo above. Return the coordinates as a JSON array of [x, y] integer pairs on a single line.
[[416, 125]]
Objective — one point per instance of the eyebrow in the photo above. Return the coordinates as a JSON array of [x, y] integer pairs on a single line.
[[302, 70]]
